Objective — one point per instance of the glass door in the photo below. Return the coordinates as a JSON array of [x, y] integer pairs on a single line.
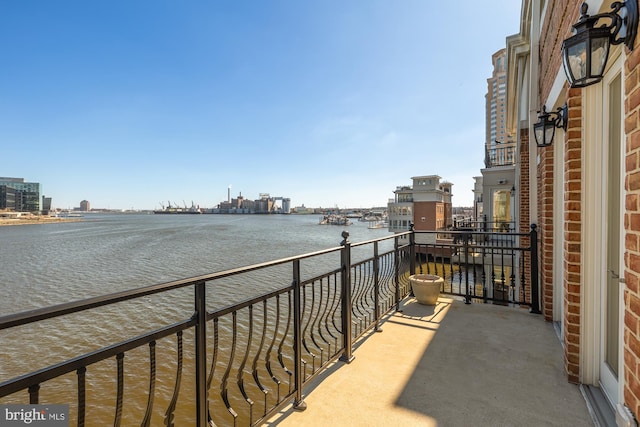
[[610, 292]]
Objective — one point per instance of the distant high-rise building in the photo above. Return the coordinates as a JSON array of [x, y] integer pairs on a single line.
[[495, 191], [496, 99], [85, 206], [46, 204], [20, 196]]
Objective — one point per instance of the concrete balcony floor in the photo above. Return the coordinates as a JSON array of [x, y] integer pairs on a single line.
[[448, 365]]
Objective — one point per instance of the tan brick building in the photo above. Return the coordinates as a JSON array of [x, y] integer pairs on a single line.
[[495, 102], [583, 194]]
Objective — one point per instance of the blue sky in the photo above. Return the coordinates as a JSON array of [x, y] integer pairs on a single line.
[[330, 103]]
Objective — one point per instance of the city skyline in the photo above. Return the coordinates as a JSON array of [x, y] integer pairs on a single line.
[[129, 105]]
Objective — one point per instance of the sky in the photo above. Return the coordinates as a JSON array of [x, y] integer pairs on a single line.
[[131, 104]]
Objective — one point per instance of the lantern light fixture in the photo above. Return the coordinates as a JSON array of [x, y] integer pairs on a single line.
[[585, 54], [544, 130]]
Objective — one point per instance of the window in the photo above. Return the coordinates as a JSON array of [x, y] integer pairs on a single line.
[[501, 210]]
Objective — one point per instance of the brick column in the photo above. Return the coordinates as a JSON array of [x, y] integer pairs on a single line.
[[573, 234], [524, 214], [545, 227]]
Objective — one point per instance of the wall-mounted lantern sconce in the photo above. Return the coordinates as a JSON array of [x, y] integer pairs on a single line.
[[585, 54], [545, 128], [513, 191]]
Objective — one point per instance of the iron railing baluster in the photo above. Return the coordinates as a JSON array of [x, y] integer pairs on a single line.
[[146, 421], [34, 395], [452, 272], [503, 278], [466, 264], [358, 290], [224, 390], [493, 276], [512, 278], [254, 365], [484, 276], [284, 338], [240, 374], [523, 280], [214, 362], [169, 416], [369, 295], [474, 274], [267, 362], [120, 389], [303, 332], [357, 307], [535, 304], [321, 321], [316, 316], [347, 337], [396, 272], [335, 305], [376, 285], [200, 316], [81, 373], [299, 403], [387, 278], [412, 251]]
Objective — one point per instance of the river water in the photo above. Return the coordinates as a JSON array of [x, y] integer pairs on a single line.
[[47, 264], [54, 263]]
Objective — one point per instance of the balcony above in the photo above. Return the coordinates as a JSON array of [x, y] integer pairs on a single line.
[[500, 154]]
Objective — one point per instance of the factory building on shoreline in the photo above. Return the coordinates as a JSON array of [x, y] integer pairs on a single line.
[[264, 205]]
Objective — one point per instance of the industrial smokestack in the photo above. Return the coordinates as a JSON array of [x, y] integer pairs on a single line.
[[229, 194]]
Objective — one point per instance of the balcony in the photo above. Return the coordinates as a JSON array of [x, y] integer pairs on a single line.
[[195, 356], [448, 365], [501, 154]]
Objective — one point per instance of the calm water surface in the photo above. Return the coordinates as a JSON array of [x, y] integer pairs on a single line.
[[49, 264]]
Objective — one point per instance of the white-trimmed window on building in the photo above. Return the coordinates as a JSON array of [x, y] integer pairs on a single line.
[[501, 210]]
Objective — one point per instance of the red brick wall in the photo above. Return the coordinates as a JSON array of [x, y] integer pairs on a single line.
[[428, 210], [560, 15], [632, 234]]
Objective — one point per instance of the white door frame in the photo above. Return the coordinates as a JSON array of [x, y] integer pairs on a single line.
[[594, 184]]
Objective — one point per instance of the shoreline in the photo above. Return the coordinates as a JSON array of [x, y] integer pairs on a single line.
[[38, 220]]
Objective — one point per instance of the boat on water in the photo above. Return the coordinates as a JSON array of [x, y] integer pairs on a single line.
[[378, 224], [333, 219], [68, 214], [178, 210]]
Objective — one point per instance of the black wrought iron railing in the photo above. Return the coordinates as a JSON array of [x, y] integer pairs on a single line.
[[223, 362], [500, 154], [491, 266], [470, 224]]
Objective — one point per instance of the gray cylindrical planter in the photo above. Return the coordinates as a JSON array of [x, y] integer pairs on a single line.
[[426, 288]]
